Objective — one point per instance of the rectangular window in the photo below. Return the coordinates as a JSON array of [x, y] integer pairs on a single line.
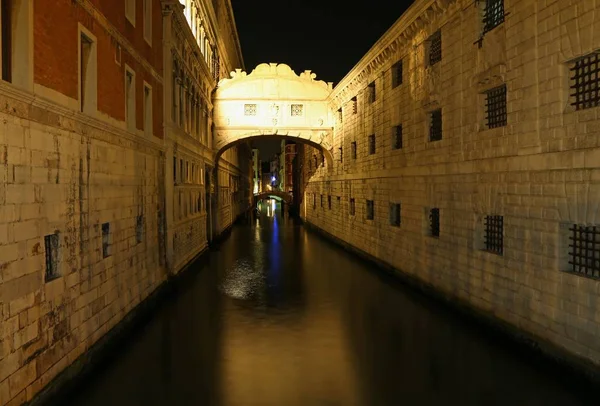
[[584, 250], [397, 74], [495, 100], [493, 15], [148, 111], [494, 234], [353, 149], [106, 246], [249, 109], [322, 201], [395, 214], [51, 243], [435, 48], [354, 102], [585, 81], [370, 210], [314, 200], [296, 110], [329, 202], [372, 92], [341, 154], [352, 207], [6, 32], [130, 11], [435, 125], [174, 170], [340, 115], [397, 137], [86, 71], [434, 222], [148, 21], [139, 229], [371, 144], [130, 99]]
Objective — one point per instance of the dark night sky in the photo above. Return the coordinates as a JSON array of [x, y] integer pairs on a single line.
[[327, 37]]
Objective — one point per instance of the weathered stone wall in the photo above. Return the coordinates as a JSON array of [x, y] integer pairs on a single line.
[[541, 171]]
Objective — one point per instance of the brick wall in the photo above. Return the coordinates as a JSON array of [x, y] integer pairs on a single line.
[[540, 171]]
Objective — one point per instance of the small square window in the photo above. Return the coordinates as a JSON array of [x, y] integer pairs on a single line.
[[371, 144], [354, 102], [495, 100], [370, 209], [435, 48], [372, 95], [51, 243], [397, 74], [249, 109], [297, 110], [494, 234], [585, 81], [352, 207], [395, 214], [106, 245], [584, 250], [353, 149], [435, 125], [397, 137], [434, 222], [493, 15], [139, 229]]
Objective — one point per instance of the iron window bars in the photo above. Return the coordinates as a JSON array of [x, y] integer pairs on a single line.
[[370, 210], [584, 250], [494, 234], [371, 144], [397, 74], [353, 149], [435, 48], [493, 14], [585, 82], [51, 245], [434, 222], [372, 92], [352, 207], [395, 214], [397, 137], [435, 125], [496, 107]]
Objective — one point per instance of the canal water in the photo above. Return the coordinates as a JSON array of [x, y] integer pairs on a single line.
[[277, 315]]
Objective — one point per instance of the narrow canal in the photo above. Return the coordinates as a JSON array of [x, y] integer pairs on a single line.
[[279, 316]]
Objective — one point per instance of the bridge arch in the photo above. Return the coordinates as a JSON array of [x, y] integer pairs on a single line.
[[273, 102], [286, 197]]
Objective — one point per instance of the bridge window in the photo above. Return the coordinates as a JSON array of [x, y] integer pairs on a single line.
[[585, 81], [395, 214], [584, 250], [434, 222], [435, 48], [371, 144], [51, 243], [353, 149], [352, 207], [435, 125], [372, 92], [397, 74], [249, 109], [496, 107], [494, 234], [370, 210], [493, 14], [297, 110], [397, 137]]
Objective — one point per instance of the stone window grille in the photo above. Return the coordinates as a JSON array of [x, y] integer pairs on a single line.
[[51, 243], [352, 207], [353, 149], [585, 81], [584, 250], [372, 92], [139, 229], [397, 74], [329, 202], [296, 110], [495, 100], [354, 102], [370, 209], [341, 154], [249, 109], [395, 214], [435, 48], [106, 246], [435, 125], [434, 222], [494, 234], [397, 137], [493, 14], [371, 144]]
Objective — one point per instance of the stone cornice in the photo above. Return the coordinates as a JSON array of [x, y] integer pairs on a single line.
[[422, 12], [88, 6]]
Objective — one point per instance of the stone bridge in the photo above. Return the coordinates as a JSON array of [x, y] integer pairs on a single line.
[[286, 197]]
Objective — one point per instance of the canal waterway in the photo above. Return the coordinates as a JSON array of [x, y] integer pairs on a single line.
[[277, 315]]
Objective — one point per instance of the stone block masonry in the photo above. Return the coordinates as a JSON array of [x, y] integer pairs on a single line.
[[513, 179]]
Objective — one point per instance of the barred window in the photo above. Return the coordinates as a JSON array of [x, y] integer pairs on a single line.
[[585, 82], [314, 200], [495, 100], [139, 229], [329, 202], [584, 250], [296, 110], [371, 144], [435, 48], [435, 125], [51, 243], [341, 154], [397, 137], [353, 151], [249, 109], [434, 222], [493, 14], [395, 214], [397, 74], [106, 251], [372, 95], [354, 102], [322, 201], [370, 210], [352, 207], [340, 115], [494, 234]]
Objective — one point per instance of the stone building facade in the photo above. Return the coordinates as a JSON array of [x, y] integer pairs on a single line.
[[466, 155], [92, 216]]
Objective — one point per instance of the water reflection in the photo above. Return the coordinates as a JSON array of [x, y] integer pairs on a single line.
[[278, 316]]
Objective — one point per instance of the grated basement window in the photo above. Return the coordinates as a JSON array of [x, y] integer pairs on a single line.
[[371, 144], [496, 107], [435, 125], [353, 145], [352, 207], [585, 82], [434, 222], [493, 14], [435, 48], [397, 74], [584, 250], [51, 244], [395, 214], [494, 234], [397, 137], [370, 210]]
